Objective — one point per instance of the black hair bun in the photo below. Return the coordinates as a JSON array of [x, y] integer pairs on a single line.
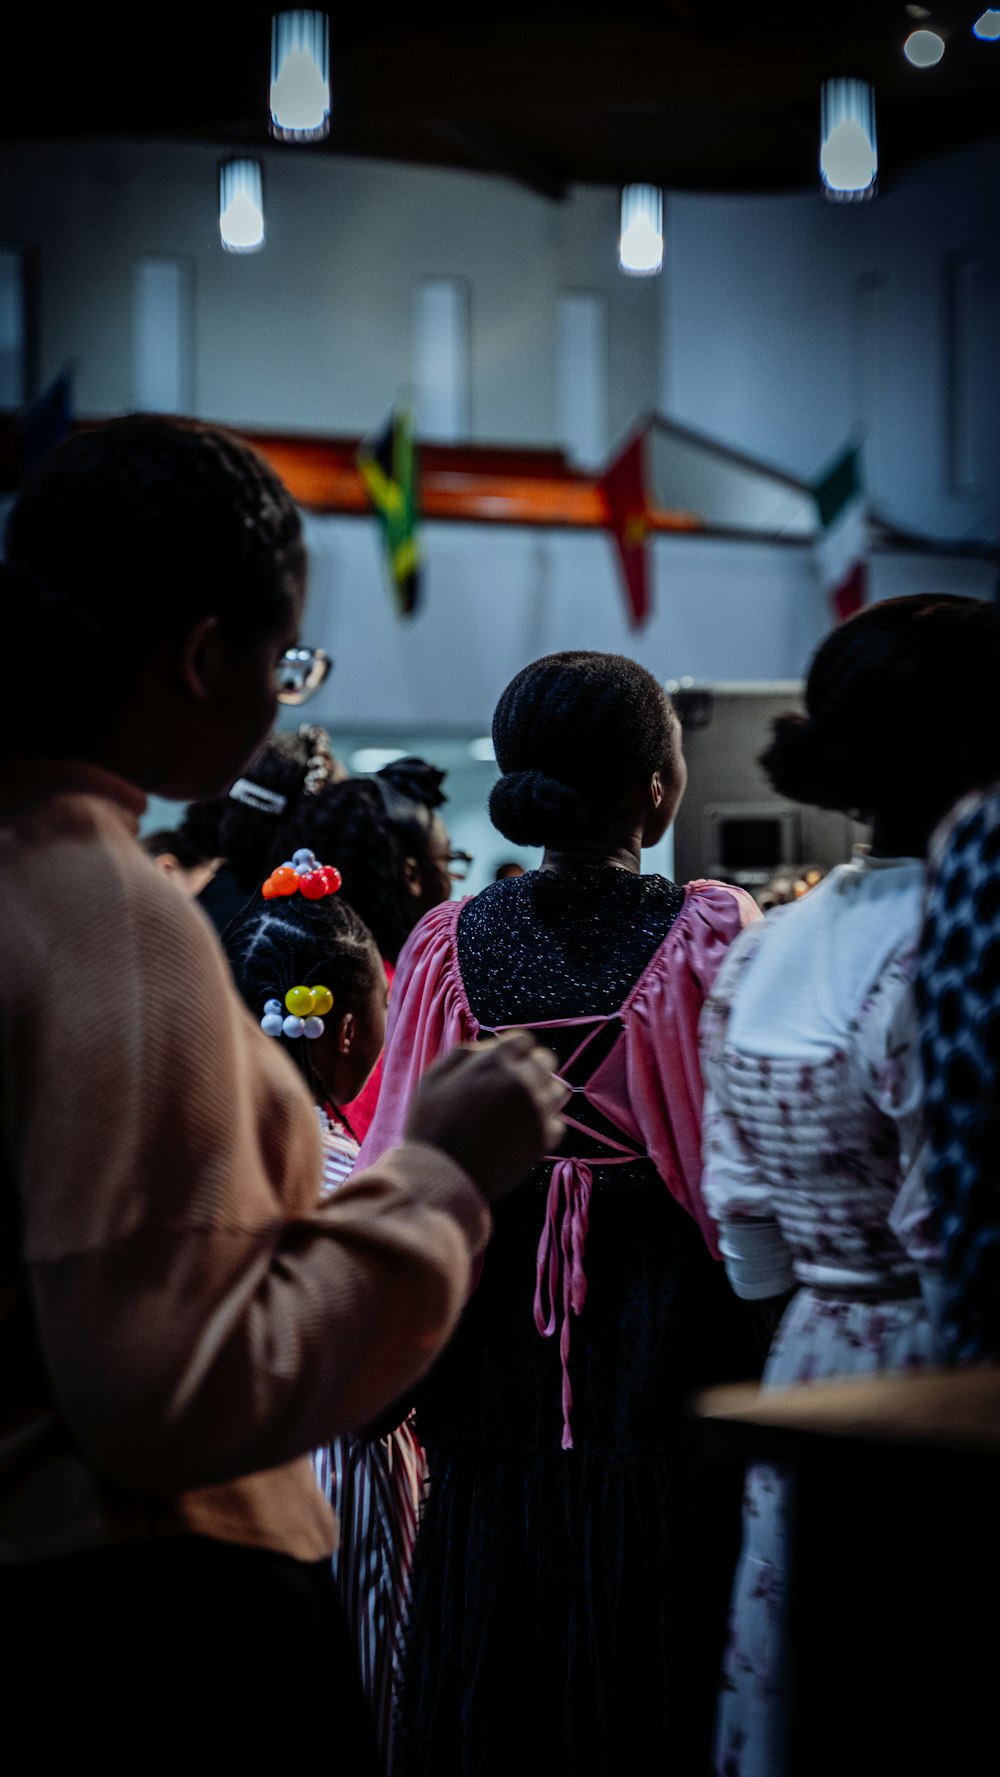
[[416, 779], [804, 766], [530, 808]]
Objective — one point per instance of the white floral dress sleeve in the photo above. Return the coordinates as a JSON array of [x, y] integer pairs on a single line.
[[757, 1260], [888, 1036]]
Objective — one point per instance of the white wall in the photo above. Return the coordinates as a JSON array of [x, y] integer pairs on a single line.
[[790, 322], [760, 332], [490, 604], [314, 333]]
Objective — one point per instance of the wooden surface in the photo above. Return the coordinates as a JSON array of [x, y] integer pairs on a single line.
[[940, 1409]]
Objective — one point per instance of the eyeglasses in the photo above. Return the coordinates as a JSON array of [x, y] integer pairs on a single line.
[[463, 860], [456, 863], [300, 673]]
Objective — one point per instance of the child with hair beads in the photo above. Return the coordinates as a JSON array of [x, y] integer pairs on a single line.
[[309, 968]]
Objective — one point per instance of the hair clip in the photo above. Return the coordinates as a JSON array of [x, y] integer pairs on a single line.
[[320, 762], [256, 796], [303, 873], [302, 1014]]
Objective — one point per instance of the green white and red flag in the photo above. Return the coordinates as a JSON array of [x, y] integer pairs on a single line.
[[842, 550]]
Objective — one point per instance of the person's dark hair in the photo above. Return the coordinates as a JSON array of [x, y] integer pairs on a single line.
[[124, 536], [292, 942], [900, 712], [574, 734], [293, 768], [182, 845], [201, 828], [368, 827]]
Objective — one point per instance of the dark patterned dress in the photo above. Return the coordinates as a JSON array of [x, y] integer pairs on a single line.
[[959, 996]]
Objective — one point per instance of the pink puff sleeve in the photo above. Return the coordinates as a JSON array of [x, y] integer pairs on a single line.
[[428, 1015], [661, 1037]]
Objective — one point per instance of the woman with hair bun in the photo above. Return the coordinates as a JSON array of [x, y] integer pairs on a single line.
[[570, 1581], [814, 1130]]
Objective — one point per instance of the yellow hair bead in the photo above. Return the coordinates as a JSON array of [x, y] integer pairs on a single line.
[[322, 1001], [300, 1001]]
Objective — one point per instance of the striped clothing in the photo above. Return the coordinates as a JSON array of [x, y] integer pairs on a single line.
[[375, 1488]]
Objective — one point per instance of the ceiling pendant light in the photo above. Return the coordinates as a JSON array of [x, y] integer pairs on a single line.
[[923, 48], [987, 25], [640, 244], [300, 76], [848, 157], [241, 205]]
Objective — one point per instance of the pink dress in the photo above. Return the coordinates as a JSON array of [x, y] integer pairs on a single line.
[[652, 1088], [557, 1594]]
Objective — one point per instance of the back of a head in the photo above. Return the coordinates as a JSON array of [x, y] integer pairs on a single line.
[[266, 808], [574, 734], [288, 942], [368, 827], [900, 720], [178, 843], [123, 537]]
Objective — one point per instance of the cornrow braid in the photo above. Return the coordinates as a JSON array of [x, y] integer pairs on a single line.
[[292, 942]]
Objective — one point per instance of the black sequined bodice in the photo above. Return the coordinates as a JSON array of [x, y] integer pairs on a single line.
[[568, 944], [561, 944]]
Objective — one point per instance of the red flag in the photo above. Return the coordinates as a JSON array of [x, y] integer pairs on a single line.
[[623, 487]]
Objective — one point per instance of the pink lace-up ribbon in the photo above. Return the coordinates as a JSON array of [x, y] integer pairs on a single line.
[[560, 1277]]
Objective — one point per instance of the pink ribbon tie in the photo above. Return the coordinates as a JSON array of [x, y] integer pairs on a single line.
[[561, 1248]]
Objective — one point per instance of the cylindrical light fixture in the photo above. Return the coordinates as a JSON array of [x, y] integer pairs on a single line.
[[640, 244], [924, 48], [987, 25], [241, 205], [848, 156], [300, 76]]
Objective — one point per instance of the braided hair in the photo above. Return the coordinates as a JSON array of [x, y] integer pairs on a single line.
[[368, 827], [574, 734], [292, 942], [900, 704], [293, 767], [123, 537]]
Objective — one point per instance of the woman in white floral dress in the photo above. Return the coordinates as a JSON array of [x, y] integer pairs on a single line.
[[814, 1140]]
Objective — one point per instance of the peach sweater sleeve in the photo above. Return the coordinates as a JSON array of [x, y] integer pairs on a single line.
[[198, 1316]]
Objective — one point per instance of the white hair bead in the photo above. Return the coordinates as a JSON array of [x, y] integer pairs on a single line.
[[292, 1026], [273, 1006], [272, 1024], [313, 1027]]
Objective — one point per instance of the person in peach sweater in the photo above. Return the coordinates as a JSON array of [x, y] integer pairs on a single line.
[[181, 1319]]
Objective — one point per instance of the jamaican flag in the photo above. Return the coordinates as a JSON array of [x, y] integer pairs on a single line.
[[387, 463]]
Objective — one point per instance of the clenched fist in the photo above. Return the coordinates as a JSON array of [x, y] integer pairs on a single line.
[[494, 1107]]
